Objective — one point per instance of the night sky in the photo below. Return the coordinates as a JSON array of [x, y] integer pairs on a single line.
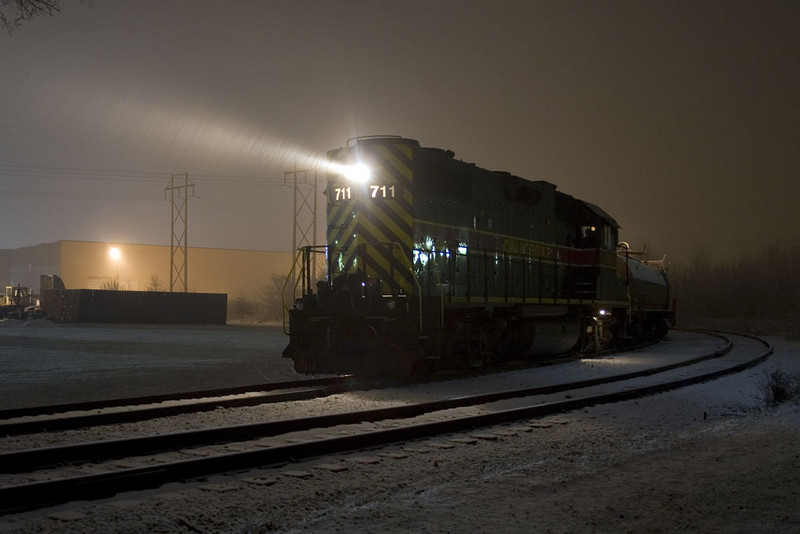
[[679, 118]]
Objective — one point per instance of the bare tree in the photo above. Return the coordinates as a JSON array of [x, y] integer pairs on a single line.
[[272, 298], [14, 12], [154, 284], [111, 284]]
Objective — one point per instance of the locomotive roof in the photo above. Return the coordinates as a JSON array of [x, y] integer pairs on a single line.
[[601, 213], [449, 154]]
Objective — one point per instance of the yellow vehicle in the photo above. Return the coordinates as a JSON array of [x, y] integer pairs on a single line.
[[17, 302]]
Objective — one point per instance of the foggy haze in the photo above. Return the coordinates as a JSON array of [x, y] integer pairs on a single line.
[[679, 119]]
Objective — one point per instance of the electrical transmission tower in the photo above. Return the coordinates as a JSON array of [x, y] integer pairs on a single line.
[[304, 230], [179, 225]]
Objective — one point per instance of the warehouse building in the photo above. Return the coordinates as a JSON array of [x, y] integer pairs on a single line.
[[132, 267]]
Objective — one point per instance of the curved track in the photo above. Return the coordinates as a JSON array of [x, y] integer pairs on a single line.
[[59, 417], [408, 422]]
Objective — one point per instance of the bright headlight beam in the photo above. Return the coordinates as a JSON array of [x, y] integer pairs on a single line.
[[184, 131], [355, 173], [189, 133], [358, 173]]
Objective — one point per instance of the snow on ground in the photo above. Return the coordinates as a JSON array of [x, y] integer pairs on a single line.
[[707, 458]]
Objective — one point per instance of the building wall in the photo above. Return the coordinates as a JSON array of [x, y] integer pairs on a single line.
[[88, 265], [23, 266], [239, 273]]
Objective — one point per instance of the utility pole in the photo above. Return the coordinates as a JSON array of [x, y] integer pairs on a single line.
[[179, 225], [304, 229]]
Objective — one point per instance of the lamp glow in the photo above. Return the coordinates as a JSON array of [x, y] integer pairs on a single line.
[[358, 173], [114, 254]]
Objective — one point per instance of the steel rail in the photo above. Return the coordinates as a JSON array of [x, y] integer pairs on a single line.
[[142, 408], [139, 409], [39, 494], [32, 459], [137, 413], [13, 413]]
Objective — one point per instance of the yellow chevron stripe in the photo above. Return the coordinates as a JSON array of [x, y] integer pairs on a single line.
[[398, 234], [374, 254], [344, 219], [408, 196], [380, 236], [341, 233], [377, 255], [403, 215], [387, 155]]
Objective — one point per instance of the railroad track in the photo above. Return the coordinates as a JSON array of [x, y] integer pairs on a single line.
[[60, 417], [125, 410], [152, 461]]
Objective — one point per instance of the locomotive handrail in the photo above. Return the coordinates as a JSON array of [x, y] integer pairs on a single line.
[[438, 281], [418, 287], [292, 271], [441, 292], [284, 308], [306, 251]]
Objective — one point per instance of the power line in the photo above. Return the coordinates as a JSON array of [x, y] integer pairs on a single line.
[[239, 206], [46, 172], [239, 180], [213, 202], [81, 174], [128, 176], [73, 196]]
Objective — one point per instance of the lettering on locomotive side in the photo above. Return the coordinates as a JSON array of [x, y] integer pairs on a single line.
[[382, 191], [341, 193], [526, 248]]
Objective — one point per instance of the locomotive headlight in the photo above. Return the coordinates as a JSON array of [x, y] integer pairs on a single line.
[[357, 173]]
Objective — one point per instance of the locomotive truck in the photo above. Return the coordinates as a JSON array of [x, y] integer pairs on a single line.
[[435, 263]]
